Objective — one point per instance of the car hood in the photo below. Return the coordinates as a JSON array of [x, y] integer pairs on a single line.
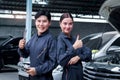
[[110, 10]]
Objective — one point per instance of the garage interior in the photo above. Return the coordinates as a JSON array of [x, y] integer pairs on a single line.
[[79, 8], [85, 12]]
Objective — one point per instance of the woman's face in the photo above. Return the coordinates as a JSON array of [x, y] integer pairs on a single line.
[[42, 24], [66, 25]]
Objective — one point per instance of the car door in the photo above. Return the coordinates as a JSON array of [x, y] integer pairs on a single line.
[[9, 51]]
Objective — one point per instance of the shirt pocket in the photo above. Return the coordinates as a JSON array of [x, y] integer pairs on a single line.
[[42, 52], [41, 56]]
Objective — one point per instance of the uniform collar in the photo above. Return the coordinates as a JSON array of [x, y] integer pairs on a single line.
[[44, 33], [65, 36]]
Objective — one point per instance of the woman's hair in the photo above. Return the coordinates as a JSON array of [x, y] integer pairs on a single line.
[[45, 13], [65, 15]]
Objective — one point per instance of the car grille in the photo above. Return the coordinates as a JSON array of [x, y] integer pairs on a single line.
[[92, 73]]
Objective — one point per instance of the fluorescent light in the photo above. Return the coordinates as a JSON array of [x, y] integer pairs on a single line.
[[90, 20], [43, 2], [6, 16], [83, 20]]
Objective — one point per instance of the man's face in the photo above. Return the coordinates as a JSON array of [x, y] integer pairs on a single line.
[[42, 24]]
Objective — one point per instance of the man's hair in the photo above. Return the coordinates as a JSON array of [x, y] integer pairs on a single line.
[[45, 13]]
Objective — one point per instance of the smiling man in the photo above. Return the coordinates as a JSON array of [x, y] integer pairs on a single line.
[[41, 48]]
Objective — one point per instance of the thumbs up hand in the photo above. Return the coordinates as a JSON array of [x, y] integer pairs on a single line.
[[78, 43], [22, 43]]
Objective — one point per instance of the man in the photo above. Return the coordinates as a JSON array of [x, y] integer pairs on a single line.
[[41, 48]]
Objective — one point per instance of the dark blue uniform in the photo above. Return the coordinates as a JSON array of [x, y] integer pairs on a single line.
[[65, 52], [42, 51]]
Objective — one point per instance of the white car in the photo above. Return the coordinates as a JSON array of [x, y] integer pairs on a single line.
[[107, 67], [100, 42]]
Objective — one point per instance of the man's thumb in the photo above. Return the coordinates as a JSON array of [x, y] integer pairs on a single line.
[[77, 37]]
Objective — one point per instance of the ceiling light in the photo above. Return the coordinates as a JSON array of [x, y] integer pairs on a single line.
[[43, 2]]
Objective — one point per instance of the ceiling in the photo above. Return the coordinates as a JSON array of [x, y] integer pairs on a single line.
[[85, 7]]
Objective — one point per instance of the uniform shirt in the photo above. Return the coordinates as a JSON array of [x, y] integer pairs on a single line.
[[42, 52], [66, 51]]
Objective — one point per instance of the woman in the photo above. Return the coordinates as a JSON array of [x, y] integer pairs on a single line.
[[71, 51], [41, 48]]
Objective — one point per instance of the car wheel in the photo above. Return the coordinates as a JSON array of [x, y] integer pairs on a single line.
[[23, 78], [1, 64]]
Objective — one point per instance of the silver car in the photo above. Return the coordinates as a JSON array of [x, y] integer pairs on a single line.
[[107, 67], [22, 65]]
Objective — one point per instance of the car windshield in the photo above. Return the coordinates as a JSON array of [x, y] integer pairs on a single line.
[[3, 39], [98, 40]]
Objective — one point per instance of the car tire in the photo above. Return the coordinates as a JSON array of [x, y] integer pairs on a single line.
[[1, 64], [23, 78]]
